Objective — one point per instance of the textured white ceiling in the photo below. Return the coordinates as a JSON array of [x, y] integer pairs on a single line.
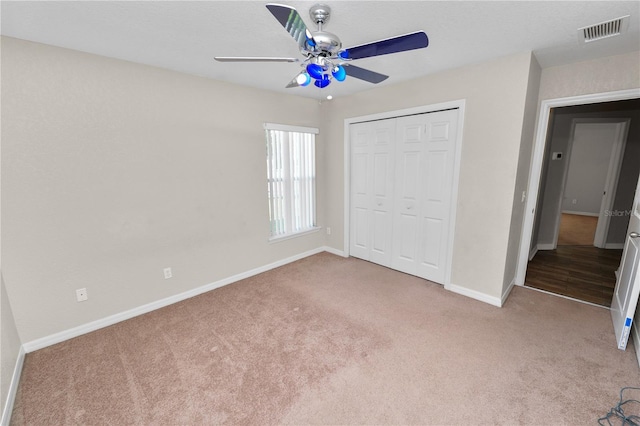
[[185, 35]]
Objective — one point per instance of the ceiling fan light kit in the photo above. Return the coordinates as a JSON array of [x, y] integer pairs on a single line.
[[324, 58]]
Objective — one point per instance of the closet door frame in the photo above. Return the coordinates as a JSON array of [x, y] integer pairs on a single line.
[[457, 104]]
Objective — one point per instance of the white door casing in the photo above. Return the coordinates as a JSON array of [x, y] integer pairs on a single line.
[[533, 187], [627, 291]]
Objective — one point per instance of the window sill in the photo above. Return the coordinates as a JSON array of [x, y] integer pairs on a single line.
[[297, 234]]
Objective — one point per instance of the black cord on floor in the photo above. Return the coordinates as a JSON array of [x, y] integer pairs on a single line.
[[617, 413]]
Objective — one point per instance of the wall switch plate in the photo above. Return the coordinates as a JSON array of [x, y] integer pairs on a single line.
[[81, 294], [574, 201], [524, 196], [167, 273], [328, 231]]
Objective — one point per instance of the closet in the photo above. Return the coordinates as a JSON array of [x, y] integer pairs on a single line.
[[402, 176]]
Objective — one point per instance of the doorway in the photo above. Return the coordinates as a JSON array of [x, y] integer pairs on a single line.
[[591, 172], [562, 255]]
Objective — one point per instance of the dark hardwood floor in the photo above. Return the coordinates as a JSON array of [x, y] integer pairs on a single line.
[[582, 272]]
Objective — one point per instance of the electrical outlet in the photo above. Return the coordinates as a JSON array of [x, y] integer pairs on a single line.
[[328, 231], [81, 294], [574, 201], [167, 273]]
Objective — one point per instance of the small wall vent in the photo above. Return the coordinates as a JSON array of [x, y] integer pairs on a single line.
[[602, 30]]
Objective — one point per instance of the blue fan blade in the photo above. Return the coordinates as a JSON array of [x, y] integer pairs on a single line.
[[363, 74], [417, 40], [291, 21]]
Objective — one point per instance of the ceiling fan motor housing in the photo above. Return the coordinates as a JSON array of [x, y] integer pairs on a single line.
[[326, 43], [323, 43]]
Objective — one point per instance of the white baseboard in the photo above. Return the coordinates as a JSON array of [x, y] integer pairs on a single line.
[[13, 388], [43, 342], [495, 301], [335, 251], [533, 252], [505, 294], [581, 213], [614, 246], [546, 246]]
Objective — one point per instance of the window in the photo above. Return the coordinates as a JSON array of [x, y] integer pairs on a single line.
[[291, 179]]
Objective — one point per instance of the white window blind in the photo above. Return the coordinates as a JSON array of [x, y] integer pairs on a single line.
[[291, 179]]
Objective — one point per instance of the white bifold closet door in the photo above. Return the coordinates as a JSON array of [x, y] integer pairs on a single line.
[[401, 186], [372, 170]]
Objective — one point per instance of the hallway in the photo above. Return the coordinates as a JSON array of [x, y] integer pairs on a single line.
[[581, 272]]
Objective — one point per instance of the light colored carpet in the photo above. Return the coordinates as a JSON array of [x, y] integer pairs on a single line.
[[328, 340], [577, 230]]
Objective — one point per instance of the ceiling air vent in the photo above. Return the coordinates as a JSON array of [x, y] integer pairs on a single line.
[[602, 30]]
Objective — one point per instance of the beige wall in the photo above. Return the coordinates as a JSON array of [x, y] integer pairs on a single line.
[[495, 94], [522, 177], [619, 72], [113, 171]]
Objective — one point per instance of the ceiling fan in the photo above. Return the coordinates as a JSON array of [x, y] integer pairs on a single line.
[[324, 57]]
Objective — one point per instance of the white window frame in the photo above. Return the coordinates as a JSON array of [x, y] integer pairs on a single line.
[[296, 214]]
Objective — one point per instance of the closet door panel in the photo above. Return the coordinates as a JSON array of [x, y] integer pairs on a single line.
[[405, 249], [372, 167], [437, 175], [429, 252], [380, 232], [361, 232], [359, 237], [383, 186], [381, 176], [381, 215], [407, 203]]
